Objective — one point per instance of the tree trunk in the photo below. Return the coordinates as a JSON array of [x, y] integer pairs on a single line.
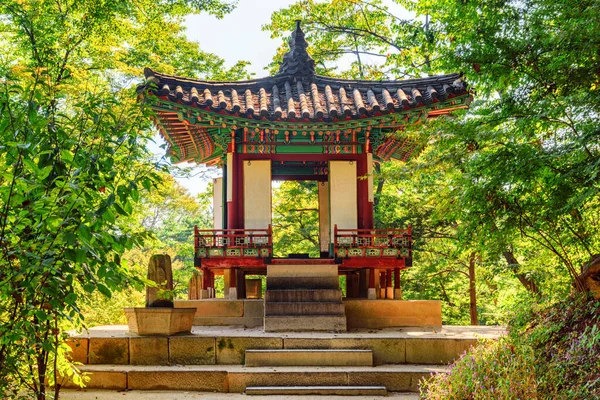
[[472, 290], [527, 282]]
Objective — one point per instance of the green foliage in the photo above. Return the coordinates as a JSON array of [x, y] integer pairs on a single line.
[[73, 163], [550, 352], [513, 180], [492, 370], [296, 218], [378, 43]]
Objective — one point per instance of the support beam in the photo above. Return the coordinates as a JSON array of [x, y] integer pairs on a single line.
[[397, 288], [233, 293], [371, 292], [389, 289]]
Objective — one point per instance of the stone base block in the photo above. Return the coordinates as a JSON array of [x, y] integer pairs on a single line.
[[305, 323], [239, 381], [159, 321], [232, 350], [389, 293], [149, 350], [79, 349], [107, 350], [397, 294], [436, 351], [221, 312], [190, 350], [385, 350], [377, 314], [204, 381], [308, 357], [108, 380]]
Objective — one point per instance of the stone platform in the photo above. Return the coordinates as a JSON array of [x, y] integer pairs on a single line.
[[360, 313], [229, 359]]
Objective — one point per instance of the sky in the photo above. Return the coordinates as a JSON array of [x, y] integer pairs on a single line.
[[237, 36]]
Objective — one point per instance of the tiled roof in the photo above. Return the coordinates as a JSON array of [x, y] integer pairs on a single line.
[[191, 112], [313, 98]]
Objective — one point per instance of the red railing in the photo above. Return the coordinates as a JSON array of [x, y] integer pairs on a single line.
[[233, 242], [394, 243]]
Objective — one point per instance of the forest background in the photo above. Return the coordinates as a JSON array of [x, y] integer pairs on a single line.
[[502, 198]]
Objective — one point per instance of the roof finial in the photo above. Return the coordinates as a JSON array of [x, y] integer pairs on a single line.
[[297, 61]]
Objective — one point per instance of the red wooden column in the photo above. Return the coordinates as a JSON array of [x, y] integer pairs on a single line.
[[389, 290], [204, 293], [365, 210], [397, 289], [235, 206], [365, 207], [235, 191], [371, 292], [233, 295]]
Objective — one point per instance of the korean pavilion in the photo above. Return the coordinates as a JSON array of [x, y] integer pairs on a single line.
[[296, 125]]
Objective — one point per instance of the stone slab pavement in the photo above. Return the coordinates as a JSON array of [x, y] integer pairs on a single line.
[[67, 394], [447, 331]]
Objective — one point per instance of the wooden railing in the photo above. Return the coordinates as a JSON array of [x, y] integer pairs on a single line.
[[233, 242], [392, 243]]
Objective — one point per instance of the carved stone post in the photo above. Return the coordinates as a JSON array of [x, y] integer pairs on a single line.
[[159, 271]]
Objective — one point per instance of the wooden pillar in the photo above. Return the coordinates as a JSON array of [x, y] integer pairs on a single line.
[[364, 189], [204, 291], [232, 274], [371, 292], [353, 290], [397, 288], [363, 280], [382, 284], [235, 192], [389, 289], [241, 284]]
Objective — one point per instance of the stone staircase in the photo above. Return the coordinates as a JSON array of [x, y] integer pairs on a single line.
[[238, 360], [312, 358], [303, 298]]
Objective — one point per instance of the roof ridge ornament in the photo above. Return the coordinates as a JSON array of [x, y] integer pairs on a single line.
[[297, 61]]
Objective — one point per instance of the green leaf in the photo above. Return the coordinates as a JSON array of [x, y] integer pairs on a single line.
[[104, 290]]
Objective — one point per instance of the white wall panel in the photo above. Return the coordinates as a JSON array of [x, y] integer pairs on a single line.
[[218, 203], [342, 195], [257, 194]]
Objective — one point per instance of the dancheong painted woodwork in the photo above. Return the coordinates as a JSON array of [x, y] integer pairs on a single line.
[[300, 123]]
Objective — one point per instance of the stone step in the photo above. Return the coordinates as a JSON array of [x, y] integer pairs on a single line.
[[236, 378], [305, 323], [308, 357], [304, 308], [217, 345], [303, 282], [292, 270], [317, 390], [303, 295]]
